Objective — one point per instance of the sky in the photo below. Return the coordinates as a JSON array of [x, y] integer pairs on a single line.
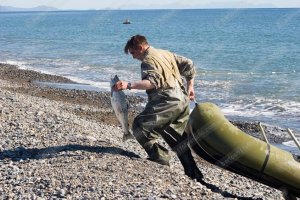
[[151, 4]]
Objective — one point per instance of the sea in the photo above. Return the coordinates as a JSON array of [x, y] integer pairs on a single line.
[[247, 60]]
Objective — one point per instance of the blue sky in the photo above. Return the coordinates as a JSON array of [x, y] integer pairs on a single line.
[[145, 4]]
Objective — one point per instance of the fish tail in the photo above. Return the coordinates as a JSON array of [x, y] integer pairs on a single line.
[[128, 136]]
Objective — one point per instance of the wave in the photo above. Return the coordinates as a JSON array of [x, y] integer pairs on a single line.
[[225, 73], [283, 113]]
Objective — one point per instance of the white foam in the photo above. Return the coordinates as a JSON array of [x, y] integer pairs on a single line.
[[263, 106], [291, 143], [27, 66], [222, 84], [98, 84], [271, 111], [85, 68], [19, 64]]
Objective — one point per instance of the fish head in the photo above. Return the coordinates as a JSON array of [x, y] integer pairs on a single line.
[[113, 80]]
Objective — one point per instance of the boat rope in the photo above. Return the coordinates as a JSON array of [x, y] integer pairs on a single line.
[[267, 159], [268, 145]]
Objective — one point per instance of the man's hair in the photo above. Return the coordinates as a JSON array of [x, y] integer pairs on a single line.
[[134, 42]]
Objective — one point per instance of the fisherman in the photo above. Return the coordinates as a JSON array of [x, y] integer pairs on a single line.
[[167, 111]]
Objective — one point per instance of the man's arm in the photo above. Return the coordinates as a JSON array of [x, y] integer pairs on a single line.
[[187, 69], [140, 85], [185, 66]]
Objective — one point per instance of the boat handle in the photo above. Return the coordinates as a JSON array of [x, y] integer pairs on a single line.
[[293, 137], [263, 132]]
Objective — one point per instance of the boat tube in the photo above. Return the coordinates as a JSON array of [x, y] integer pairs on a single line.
[[219, 142]]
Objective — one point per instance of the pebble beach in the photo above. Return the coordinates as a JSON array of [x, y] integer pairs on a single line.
[[67, 144]]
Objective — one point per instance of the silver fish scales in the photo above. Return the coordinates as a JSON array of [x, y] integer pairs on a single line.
[[120, 106]]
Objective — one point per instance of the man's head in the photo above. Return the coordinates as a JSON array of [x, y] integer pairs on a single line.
[[136, 46]]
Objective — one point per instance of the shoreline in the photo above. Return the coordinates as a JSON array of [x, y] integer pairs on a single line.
[[67, 144], [60, 88], [30, 82]]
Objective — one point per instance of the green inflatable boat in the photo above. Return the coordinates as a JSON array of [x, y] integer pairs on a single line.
[[218, 141]]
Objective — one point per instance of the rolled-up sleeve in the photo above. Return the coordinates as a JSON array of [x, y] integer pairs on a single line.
[[150, 73], [186, 67]]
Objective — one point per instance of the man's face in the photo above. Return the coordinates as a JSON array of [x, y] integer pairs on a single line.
[[136, 53]]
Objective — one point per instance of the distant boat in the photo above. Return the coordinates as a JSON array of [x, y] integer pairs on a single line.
[[126, 21]]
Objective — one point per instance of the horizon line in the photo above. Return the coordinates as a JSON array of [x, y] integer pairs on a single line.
[[124, 9], [153, 8]]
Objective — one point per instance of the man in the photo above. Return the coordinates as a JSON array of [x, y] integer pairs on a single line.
[[167, 111]]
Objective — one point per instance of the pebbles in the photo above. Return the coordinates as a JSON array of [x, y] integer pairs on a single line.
[[60, 149]]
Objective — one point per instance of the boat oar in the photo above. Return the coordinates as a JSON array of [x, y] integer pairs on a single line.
[[294, 138], [263, 132]]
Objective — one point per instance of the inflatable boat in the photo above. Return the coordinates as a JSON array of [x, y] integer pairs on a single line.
[[219, 142]]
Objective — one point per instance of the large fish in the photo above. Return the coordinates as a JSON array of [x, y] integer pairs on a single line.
[[120, 106]]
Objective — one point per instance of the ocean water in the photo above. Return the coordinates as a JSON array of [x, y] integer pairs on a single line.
[[247, 60]]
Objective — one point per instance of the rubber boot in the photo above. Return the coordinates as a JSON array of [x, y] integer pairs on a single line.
[[289, 196], [190, 167], [159, 154]]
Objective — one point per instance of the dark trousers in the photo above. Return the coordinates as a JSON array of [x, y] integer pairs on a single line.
[[166, 117]]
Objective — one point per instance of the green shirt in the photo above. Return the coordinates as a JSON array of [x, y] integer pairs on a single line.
[[165, 69]]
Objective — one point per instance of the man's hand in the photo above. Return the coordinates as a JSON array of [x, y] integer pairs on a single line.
[[191, 93], [120, 85], [190, 89]]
